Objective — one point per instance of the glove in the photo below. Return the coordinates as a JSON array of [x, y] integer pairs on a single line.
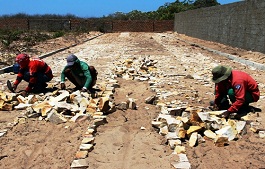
[[24, 93], [215, 107], [225, 115], [63, 86], [83, 90]]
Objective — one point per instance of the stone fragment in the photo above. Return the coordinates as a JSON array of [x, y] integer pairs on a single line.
[[172, 135], [22, 106], [240, 126], [183, 158], [104, 104], [91, 108], [79, 163], [195, 119], [81, 154], [163, 131], [193, 139], [254, 126], [122, 106], [179, 150], [182, 133], [7, 107], [156, 124], [131, 104], [221, 141], [227, 131], [55, 117], [98, 122], [62, 106], [193, 129], [3, 132], [87, 147], [79, 117], [90, 131], [175, 111], [143, 128], [172, 124], [7, 97], [262, 134], [43, 108], [150, 99], [88, 140], [200, 139], [22, 99], [174, 143], [33, 99], [64, 94], [181, 165], [83, 105], [210, 134]]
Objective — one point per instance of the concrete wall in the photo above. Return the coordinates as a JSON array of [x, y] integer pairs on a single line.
[[240, 24]]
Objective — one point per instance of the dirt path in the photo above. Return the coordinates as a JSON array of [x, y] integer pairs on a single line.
[[182, 75]]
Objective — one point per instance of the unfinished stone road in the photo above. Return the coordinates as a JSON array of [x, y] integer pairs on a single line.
[[163, 65]]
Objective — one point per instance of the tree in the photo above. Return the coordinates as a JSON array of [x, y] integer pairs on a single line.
[[205, 3]]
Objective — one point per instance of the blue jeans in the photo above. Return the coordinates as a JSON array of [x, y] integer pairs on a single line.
[[41, 78]]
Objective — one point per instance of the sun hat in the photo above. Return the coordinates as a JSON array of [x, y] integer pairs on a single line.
[[71, 60], [221, 73]]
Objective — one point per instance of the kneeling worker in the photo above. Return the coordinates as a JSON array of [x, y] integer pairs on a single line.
[[240, 87], [79, 73], [34, 71]]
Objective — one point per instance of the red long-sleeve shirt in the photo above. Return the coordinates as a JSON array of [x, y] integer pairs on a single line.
[[35, 66], [240, 82]]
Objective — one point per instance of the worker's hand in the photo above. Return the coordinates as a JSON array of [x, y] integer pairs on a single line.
[[214, 107], [14, 87], [63, 86], [225, 115], [83, 89], [24, 93]]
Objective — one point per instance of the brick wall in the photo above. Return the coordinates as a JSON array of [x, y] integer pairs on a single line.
[[87, 24], [21, 24], [240, 24]]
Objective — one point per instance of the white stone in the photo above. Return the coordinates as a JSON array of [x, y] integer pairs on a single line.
[[240, 125], [227, 131], [79, 163], [193, 139], [87, 147], [22, 106], [262, 134]]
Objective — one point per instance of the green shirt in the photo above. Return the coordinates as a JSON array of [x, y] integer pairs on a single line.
[[81, 71]]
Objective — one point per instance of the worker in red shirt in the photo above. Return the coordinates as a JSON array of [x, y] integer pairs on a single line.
[[239, 86], [34, 71]]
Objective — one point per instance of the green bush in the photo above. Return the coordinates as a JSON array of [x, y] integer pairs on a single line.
[[58, 34]]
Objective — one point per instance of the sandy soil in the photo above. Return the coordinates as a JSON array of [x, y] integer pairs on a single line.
[[121, 144]]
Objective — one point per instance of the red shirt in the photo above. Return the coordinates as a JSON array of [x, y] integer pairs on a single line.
[[35, 66], [240, 82]]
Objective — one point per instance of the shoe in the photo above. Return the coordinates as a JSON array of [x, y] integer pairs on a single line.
[[39, 88]]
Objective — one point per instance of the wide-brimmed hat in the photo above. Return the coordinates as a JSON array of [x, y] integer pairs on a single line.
[[221, 73], [71, 60]]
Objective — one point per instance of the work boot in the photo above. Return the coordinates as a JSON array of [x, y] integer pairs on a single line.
[[39, 88]]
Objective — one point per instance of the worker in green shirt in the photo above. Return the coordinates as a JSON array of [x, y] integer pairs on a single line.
[[79, 73]]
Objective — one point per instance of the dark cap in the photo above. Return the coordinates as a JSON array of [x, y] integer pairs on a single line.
[[71, 60], [221, 73]]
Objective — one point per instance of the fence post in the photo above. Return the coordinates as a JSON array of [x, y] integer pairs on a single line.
[[70, 25], [28, 24]]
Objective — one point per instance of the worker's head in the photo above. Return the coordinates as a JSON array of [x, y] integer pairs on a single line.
[[71, 59], [221, 73], [22, 60]]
